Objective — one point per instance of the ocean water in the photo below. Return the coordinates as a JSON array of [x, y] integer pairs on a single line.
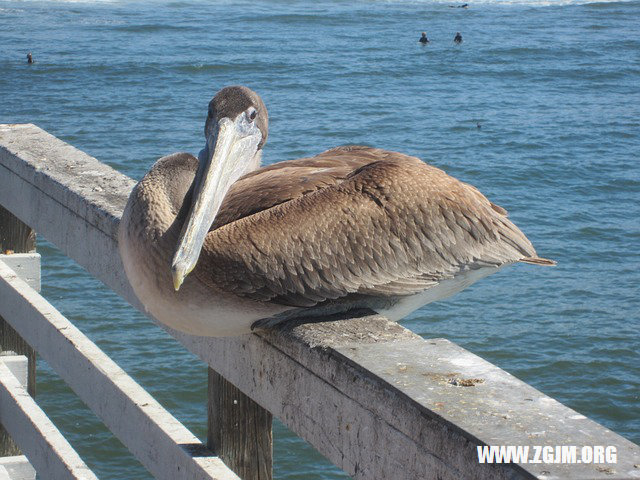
[[553, 85]]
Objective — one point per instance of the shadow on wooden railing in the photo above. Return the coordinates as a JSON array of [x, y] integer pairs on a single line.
[[377, 400]]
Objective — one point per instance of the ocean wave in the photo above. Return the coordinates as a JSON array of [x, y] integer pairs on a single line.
[[231, 67], [149, 28], [532, 3]]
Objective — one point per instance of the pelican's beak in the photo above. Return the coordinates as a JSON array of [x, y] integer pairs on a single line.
[[231, 147]]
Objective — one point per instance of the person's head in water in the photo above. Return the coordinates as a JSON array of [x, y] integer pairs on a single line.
[[423, 38], [458, 38], [29, 58]]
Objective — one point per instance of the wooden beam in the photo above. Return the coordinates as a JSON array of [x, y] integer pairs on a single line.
[[42, 442], [15, 237], [374, 398], [161, 443], [17, 468], [239, 430]]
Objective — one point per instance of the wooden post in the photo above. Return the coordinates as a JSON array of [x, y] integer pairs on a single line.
[[15, 237], [239, 430]]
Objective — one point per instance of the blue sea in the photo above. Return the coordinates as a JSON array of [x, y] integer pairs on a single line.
[[539, 107]]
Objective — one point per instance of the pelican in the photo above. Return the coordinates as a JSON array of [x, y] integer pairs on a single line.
[[216, 245]]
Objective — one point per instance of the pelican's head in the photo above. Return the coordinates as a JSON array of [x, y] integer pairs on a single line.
[[235, 130]]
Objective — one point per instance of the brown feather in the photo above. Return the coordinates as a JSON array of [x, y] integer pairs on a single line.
[[351, 228], [352, 220], [545, 262]]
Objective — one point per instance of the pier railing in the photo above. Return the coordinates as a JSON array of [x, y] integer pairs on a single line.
[[377, 400]]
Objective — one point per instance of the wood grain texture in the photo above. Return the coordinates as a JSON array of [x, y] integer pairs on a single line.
[[239, 430]]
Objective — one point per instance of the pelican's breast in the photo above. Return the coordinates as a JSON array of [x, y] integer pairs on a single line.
[[148, 234]]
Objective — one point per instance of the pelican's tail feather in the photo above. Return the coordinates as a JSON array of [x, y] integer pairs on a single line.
[[538, 261]]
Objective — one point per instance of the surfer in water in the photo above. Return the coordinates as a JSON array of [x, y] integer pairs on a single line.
[[458, 38], [423, 39], [29, 58]]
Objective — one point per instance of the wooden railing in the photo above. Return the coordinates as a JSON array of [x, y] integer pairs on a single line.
[[161, 443], [377, 400]]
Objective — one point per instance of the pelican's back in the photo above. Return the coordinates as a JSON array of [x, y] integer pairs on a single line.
[[353, 222]]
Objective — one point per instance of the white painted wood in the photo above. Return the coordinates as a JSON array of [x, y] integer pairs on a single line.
[[370, 395], [38, 438], [17, 468], [161, 443], [26, 266], [18, 365], [76, 199]]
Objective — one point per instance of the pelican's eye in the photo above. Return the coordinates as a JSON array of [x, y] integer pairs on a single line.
[[251, 114]]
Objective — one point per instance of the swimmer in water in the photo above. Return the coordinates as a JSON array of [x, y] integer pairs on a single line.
[[423, 39], [29, 58], [458, 38]]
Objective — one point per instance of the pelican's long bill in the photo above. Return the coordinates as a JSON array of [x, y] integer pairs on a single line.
[[230, 147]]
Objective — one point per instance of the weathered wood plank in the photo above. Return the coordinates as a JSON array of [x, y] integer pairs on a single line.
[[17, 468], [42, 442], [15, 236], [26, 266], [18, 365], [367, 393], [239, 430], [161, 443]]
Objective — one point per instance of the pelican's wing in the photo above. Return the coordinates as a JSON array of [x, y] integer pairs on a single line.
[[284, 181], [390, 227]]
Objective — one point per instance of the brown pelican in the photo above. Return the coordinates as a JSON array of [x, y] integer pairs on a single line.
[[214, 244]]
